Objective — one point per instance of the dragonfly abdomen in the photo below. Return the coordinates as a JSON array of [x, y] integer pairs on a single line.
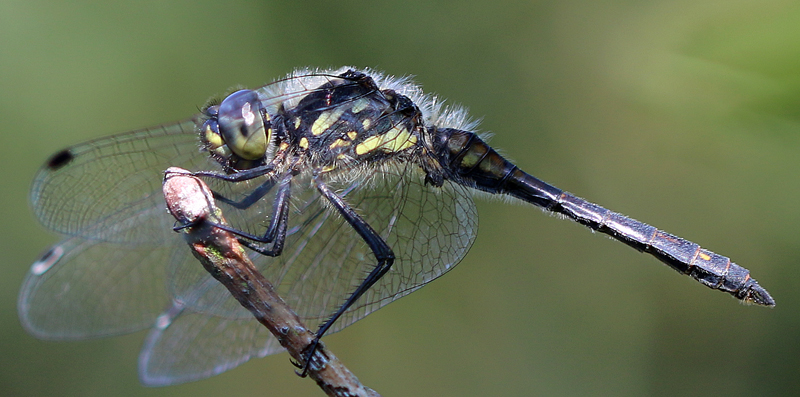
[[711, 269], [474, 163]]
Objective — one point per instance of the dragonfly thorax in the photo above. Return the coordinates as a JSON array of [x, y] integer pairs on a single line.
[[349, 120]]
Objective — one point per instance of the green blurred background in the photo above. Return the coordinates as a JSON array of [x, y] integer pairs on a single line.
[[683, 114]]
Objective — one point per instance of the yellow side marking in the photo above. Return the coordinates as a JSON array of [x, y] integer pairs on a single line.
[[397, 139], [326, 120], [704, 257], [352, 135], [394, 140], [338, 143], [304, 143], [369, 144], [297, 122], [366, 123]]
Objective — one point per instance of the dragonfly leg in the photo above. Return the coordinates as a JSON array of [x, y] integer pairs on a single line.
[[383, 253], [243, 175], [276, 232]]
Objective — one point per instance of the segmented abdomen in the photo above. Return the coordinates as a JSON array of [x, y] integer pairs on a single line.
[[472, 162]]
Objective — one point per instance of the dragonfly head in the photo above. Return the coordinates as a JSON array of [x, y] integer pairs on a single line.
[[238, 131]]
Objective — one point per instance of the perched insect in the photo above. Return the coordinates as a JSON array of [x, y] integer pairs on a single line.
[[351, 189]]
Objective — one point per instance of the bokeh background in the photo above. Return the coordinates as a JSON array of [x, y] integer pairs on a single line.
[[683, 114]]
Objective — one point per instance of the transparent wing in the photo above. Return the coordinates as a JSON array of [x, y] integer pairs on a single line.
[[185, 346], [89, 188], [84, 288], [207, 332], [108, 276], [429, 228]]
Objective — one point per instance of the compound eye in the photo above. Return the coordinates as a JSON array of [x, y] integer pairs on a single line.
[[241, 125]]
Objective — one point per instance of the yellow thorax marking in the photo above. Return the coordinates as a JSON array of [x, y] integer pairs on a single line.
[[339, 142], [304, 143], [326, 120], [345, 140], [396, 139]]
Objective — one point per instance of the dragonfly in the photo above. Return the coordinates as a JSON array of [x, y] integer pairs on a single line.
[[351, 189]]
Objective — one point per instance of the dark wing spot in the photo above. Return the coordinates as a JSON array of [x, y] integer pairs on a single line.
[[60, 159]]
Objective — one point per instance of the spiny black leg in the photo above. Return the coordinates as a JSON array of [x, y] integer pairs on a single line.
[[280, 214], [276, 232], [243, 175], [379, 248]]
